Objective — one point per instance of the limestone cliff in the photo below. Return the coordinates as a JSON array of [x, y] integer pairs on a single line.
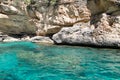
[[13, 19], [52, 15], [87, 22], [103, 28]]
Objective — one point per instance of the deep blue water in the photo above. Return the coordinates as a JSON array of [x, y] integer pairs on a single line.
[[29, 61]]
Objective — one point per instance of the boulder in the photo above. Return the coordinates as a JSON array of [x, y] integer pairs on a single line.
[[41, 39], [104, 33], [78, 34], [10, 39]]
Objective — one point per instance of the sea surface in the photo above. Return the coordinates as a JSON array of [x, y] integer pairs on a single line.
[[29, 61]]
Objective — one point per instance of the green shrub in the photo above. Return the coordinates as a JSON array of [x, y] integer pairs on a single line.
[[27, 1], [53, 2]]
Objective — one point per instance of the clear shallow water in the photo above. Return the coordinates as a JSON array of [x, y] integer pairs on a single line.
[[28, 61]]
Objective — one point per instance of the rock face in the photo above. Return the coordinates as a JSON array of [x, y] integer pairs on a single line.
[[86, 22], [13, 19], [82, 35], [103, 29], [52, 15]]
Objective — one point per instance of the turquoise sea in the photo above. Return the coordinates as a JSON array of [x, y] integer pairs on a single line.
[[29, 61]]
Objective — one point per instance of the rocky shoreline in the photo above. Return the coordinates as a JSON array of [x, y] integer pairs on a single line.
[[72, 22], [35, 39], [59, 39]]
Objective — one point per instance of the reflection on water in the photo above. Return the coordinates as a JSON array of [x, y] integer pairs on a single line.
[[28, 61]]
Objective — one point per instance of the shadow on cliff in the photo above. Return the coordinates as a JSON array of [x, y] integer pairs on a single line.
[[95, 10]]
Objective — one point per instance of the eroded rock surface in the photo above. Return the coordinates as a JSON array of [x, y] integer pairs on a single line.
[[13, 19], [41, 39], [103, 29], [52, 15], [86, 22]]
